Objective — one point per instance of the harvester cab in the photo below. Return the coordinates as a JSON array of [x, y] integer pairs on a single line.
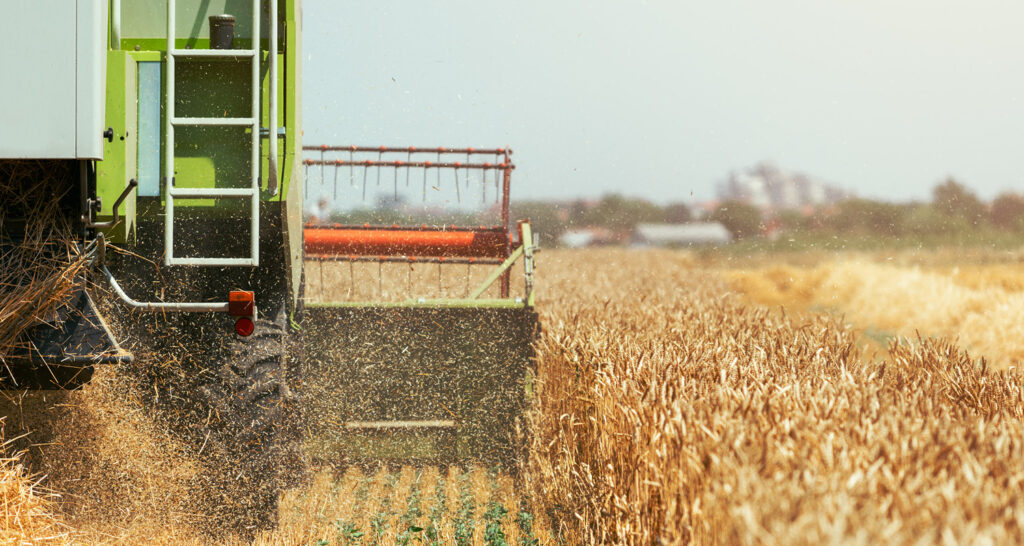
[[152, 174], [151, 146]]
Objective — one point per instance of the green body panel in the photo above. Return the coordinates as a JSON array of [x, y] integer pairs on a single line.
[[148, 19], [215, 156], [291, 167], [120, 155], [207, 157]]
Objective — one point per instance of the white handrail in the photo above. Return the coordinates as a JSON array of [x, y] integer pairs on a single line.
[[255, 216], [187, 307], [169, 139], [115, 24], [272, 156]]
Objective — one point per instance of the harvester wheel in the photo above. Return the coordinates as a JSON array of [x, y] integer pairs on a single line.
[[251, 425]]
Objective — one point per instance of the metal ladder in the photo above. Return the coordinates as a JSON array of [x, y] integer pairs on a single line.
[[172, 121]]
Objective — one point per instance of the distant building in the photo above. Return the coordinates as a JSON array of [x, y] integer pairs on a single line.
[[675, 235], [769, 187], [591, 236], [576, 238]]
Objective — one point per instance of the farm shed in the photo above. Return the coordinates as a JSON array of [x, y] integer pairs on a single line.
[[698, 233]]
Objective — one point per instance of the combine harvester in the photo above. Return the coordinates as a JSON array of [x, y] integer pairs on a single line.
[[174, 138]]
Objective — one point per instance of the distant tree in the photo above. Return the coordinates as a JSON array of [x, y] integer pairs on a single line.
[[954, 199], [794, 220], [1008, 211], [545, 217], [741, 219], [622, 213], [867, 216], [922, 220], [678, 213]]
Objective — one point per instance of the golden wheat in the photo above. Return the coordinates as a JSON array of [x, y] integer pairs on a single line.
[[670, 411], [981, 307]]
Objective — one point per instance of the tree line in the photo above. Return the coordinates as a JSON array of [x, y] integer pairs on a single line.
[[954, 210]]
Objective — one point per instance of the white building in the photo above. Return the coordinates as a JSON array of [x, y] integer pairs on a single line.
[[693, 234], [769, 187]]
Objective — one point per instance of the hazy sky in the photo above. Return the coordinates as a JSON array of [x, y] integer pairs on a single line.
[[662, 99]]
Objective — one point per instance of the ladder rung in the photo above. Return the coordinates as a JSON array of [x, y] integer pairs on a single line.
[[212, 52], [212, 121], [210, 192], [224, 262]]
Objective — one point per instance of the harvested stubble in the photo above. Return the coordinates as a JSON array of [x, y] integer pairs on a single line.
[[669, 412], [26, 510], [39, 271], [406, 505]]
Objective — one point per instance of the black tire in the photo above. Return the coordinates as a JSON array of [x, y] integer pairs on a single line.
[[251, 429]]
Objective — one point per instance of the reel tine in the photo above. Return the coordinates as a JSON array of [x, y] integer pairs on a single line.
[[337, 167], [321, 280], [439, 170], [380, 157], [352, 278], [305, 180], [497, 174], [321, 164], [425, 182], [458, 194], [408, 170], [396, 182], [366, 169], [351, 169]]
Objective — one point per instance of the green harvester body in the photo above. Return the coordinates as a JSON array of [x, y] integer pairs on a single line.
[[424, 378]]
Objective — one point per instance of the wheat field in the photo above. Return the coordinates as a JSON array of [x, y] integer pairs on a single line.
[[679, 400]]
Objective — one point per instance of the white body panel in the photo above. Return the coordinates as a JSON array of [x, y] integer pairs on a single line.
[[53, 87]]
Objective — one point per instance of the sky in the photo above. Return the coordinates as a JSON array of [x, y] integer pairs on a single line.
[[663, 99]]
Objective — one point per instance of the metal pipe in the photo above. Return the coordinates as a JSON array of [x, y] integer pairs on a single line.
[[405, 259], [398, 164], [396, 227], [216, 122], [215, 262], [272, 157], [169, 136], [369, 242], [115, 24], [211, 193], [161, 306], [132, 184], [254, 245], [506, 189], [219, 53], [408, 149]]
